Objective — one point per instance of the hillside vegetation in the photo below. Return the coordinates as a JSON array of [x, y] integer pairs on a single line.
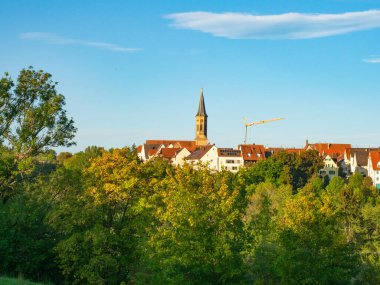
[[104, 217], [13, 281]]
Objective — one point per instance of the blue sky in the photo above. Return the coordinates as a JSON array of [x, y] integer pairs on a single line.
[[133, 70]]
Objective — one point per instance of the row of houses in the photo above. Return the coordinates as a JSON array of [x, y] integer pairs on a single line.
[[339, 159], [180, 152], [344, 160]]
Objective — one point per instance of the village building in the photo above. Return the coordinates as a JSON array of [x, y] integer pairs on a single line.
[[252, 153], [358, 160], [230, 159], [207, 155], [334, 158], [331, 167], [374, 167], [147, 151], [152, 148], [180, 156]]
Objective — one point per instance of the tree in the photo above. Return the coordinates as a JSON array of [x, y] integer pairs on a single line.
[[261, 219], [197, 237], [315, 249], [82, 159], [101, 229], [32, 117], [284, 168]]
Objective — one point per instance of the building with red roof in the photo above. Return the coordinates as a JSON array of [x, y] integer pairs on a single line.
[[252, 153], [374, 167]]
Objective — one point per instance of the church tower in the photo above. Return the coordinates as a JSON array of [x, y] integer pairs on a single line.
[[201, 123]]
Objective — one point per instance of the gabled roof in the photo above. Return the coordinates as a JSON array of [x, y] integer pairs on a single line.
[[347, 152], [169, 153], [190, 145], [139, 148], [375, 159], [199, 153], [329, 148], [361, 155], [252, 152], [229, 152], [295, 150], [151, 149], [201, 106], [334, 156]]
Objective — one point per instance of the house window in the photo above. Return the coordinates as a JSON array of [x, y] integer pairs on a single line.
[[230, 161], [248, 154], [332, 172], [234, 168]]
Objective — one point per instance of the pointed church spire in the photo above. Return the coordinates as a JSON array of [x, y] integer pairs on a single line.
[[201, 107]]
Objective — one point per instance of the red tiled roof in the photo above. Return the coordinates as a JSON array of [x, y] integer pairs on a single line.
[[152, 152], [334, 156], [330, 148], [139, 148], [151, 149], [252, 152], [375, 159], [347, 152], [169, 153], [295, 150], [190, 145]]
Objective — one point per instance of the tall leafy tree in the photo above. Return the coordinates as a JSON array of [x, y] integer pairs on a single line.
[[196, 238], [101, 230], [32, 120], [32, 117]]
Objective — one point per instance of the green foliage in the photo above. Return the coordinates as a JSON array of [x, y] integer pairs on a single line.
[[32, 117], [13, 281], [26, 240], [285, 168], [82, 160], [195, 239], [104, 217], [32, 120]]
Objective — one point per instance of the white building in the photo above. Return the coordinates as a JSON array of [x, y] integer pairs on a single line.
[[230, 159], [217, 159], [331, 167], [358, 158], [205, 155], [180, 156], [148, 151], [374, 167]]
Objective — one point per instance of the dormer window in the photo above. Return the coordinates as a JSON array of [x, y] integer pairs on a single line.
[[378, 164]]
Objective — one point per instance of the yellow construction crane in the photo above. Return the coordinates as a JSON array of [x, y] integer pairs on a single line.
[[246, 124]]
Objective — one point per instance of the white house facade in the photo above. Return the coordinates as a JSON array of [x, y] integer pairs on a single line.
[[229, 159], [374, 167]]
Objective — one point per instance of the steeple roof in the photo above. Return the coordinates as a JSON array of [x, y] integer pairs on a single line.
[[201, 107]]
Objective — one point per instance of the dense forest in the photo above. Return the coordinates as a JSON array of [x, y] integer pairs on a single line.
[[104, 217]]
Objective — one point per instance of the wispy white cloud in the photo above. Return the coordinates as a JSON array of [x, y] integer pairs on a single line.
[[56, 39], [281, 26], [374, 59]]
